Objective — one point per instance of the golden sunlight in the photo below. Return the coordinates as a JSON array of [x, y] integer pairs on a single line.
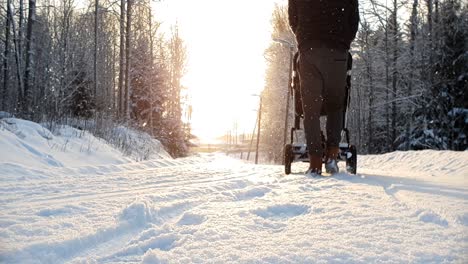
[[225, 42]]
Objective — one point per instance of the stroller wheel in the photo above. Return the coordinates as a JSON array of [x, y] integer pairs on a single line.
[[288, 158], [351, 162]]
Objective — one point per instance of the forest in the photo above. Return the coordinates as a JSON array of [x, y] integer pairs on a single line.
[[409, 78], [103, 60]]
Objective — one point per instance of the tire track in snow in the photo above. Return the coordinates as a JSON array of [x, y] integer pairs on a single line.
[[397, 188], [52, 200], [148, 189], [133, 219], [90, 175]]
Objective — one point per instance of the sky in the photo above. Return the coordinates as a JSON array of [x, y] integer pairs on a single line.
[[225, 40]]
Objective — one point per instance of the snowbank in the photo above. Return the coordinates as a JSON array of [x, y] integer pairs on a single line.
[[29, 144], [431, 165]]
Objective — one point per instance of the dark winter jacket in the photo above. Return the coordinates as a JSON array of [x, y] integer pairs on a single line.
[[330, 23]]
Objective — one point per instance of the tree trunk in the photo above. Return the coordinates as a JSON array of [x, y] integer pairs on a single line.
[[431, 40], [128, 91], [29, 61], [96, 10], [387, 89], [44, 87], [436, 29], [19, 76], [114, 60], [6, 55], [358, 100], [64, 55], [122, 60], [150, 18], [371, 103], [21, 28], [19, 52], [394, 72], [413, 25], [370, 130]]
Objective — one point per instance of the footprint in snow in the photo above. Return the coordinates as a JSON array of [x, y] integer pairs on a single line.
[[52, 212], [284, 211], [162, 242], [252, 193], [427, 216], [463, 219], [191, 219]]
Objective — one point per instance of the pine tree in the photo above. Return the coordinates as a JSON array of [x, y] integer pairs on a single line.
[[82, 99]]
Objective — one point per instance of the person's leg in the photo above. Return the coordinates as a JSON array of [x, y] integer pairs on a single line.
[[334, 127], [312, 100], [335, 90]]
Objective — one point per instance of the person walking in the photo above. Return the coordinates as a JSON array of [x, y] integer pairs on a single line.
[[324, 30]]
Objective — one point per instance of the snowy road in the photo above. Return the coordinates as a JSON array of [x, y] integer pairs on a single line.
[[214, 209]]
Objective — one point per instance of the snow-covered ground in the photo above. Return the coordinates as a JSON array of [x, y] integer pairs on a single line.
[[402, 207]]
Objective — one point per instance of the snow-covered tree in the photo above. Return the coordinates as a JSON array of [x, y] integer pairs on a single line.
[[274, 96]]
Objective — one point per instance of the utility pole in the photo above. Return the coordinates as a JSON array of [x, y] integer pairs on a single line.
[[258, 129], [237, 136], [229, 140], [252, 138]]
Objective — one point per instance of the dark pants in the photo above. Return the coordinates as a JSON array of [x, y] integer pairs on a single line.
[[322, 73]]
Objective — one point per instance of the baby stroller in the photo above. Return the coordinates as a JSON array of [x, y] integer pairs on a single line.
[[298, 152]]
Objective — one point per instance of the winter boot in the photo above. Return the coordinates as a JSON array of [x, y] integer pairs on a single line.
[[331, 163], [315, 168]]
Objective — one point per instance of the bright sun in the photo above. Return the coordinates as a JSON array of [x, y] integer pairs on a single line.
[[226, 40]]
